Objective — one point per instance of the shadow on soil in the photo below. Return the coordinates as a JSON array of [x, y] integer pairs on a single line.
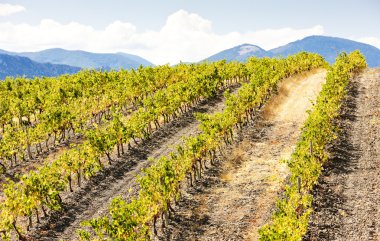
[[342, 161], [80, 200], [194, 222]]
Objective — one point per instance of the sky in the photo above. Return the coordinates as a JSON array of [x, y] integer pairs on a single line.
[[169, 31]]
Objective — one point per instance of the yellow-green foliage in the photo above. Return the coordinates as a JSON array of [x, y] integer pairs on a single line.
[[289, 222], [160, 183]]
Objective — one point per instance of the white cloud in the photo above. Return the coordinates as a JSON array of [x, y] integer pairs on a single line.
[[185, 36], [7, 9], [371, 40]]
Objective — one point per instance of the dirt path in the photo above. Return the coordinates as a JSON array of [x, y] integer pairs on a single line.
[[347, 198], [93, 199], [233, 200]]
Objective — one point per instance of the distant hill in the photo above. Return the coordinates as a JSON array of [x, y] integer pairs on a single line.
[[239, 53], [136, 58], [5, 52], [85, 59], [328, 47], [11, 65]]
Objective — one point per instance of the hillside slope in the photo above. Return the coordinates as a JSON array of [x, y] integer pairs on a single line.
[[232, 201]]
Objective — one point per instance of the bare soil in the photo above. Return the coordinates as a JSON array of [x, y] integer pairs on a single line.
[[235, 198], [232, 200], [94, 197], [23, 167], [347, 198]]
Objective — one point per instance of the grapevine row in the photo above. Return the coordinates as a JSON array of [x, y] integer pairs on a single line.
[[289, 221], [160, 184], [36, 112], [40, 190]]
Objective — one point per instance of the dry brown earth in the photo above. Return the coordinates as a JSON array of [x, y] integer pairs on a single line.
[[233, 200]]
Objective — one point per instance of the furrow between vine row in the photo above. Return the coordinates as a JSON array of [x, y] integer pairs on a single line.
[[160, 184], [40, 190], [290, 219]]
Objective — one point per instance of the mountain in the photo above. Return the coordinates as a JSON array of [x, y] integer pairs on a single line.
[[136, 58], [328, 47], [5, 52], [239, 53], [85, 59], [52, 62], [11, 65]]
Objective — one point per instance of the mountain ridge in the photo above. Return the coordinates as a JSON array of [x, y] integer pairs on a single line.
[[328, 47], [242, 50], [13, 66], [84, 59], [57, 61]]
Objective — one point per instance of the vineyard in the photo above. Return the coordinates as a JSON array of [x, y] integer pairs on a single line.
[[114, 155]]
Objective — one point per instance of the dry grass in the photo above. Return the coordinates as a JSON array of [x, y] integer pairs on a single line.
[[285, 88], [237, 156]]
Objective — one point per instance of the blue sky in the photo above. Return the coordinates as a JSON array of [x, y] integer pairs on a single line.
[[173, 30]]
